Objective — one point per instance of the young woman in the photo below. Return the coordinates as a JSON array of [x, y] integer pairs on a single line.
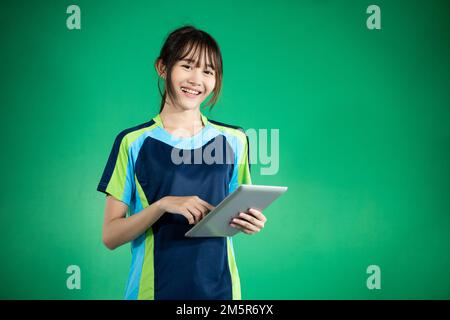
[[169, 173]]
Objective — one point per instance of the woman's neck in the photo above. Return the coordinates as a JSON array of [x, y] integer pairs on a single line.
[[174, 119]]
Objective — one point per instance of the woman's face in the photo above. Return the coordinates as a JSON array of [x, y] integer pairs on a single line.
[[192, 84]]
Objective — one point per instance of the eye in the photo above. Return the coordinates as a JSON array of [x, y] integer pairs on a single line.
[[186, 66], [209, 72]]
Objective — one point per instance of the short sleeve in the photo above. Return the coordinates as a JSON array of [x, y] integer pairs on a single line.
[[118, 176], [244, 166]]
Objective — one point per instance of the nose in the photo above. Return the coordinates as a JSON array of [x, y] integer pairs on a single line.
[[195, 77]]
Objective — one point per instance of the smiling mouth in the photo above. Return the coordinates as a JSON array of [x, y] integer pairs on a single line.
[[190, 91]]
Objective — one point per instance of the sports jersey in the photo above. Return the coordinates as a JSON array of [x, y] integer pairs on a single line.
[[147, 163]]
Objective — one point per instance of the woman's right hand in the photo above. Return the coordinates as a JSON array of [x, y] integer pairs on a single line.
[[192, 207]]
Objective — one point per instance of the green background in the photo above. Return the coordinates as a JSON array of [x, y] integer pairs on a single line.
[[363, 117]]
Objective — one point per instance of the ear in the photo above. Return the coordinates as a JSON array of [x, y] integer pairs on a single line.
[[160, 68]]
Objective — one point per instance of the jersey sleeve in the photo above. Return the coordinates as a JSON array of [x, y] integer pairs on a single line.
[[241, 169], [118, 176], [244, 166]]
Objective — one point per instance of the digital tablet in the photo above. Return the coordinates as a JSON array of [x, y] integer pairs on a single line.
[[217, 222]]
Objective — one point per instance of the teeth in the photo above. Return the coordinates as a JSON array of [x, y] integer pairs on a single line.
[[189, 90]]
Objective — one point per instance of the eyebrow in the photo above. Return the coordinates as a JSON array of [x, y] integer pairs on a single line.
[[193, 61]]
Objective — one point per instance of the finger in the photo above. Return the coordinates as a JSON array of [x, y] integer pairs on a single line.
[[189, 216], [251, 219], [258, 214], [246, 225], [206, 204], [242, 229], [204, 209], [196, 213]]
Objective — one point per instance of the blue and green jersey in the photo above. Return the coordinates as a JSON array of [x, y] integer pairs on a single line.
[[141, 170]]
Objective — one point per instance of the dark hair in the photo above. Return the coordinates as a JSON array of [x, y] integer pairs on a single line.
[[185, 41]]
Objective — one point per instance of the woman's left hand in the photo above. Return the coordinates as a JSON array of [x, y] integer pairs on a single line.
[[249, 222]]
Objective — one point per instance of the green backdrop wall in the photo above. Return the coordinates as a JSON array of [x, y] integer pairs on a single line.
[[363, 119]]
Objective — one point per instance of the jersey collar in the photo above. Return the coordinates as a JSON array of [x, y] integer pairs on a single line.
[[159, 123]]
